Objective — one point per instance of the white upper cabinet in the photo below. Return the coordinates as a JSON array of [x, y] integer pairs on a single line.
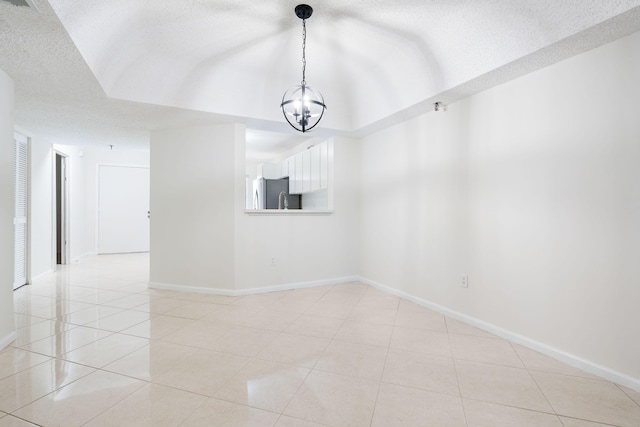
[[308, 171], [291, 168], [299, 174], [314, 163], [324, 165]]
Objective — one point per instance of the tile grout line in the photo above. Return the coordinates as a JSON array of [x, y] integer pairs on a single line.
[[555, 412], [455, 368], [627, 394], [384, 366]]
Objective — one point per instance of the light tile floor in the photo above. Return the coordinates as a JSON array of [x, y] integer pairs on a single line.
[[96, 347]]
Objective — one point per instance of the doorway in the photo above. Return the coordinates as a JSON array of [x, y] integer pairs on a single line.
[[61, 209]]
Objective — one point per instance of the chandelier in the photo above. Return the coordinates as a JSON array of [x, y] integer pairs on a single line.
[[303, 106]]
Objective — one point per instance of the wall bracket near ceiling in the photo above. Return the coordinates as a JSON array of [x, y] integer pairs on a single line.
[[439, 106]]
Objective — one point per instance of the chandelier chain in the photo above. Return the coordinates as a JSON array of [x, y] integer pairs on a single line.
[[304, 46]]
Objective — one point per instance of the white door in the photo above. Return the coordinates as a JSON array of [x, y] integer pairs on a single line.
[[123, 208], [20, 211]]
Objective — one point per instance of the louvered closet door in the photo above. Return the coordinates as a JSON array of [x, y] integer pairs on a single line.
[[20, 216]]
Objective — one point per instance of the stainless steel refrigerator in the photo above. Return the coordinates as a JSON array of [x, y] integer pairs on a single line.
[[266, 194]]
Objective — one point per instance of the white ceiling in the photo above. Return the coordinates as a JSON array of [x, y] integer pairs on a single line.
[[108, 72]]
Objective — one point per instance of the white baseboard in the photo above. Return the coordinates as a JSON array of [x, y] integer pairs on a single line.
[[41, 275], [260, 290], [192, 289], [569, 359], [298, 285], [84, 255], [7, 339]]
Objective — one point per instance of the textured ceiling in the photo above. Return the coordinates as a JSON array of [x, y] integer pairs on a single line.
[[91, 70]]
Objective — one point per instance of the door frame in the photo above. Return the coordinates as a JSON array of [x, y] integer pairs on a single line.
[[65, 208]]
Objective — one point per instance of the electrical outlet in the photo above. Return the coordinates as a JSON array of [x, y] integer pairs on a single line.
[[273, 262], [464, 282]]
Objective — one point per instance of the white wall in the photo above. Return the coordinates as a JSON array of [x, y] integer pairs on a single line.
[[202, 239], [41, 207], [93, 157], [193, 190], [414, 210], [306, 248], [7, 181], [532, 189]]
